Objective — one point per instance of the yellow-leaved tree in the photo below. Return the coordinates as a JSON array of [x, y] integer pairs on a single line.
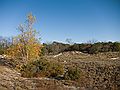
[[26, 45]]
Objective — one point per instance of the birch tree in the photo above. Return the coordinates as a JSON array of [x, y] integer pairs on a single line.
[[26, 45]]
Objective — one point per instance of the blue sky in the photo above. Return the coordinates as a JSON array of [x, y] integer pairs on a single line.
[[80, 20]]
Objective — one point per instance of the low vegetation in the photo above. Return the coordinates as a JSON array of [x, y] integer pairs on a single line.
[[42, 68], [72, 73]]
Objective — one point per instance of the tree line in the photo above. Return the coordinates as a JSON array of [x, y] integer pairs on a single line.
[[91, 48]]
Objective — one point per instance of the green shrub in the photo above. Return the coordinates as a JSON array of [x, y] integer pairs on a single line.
[[42, 68], [55, 69], [1, 51], [73, 73], [28, 70]]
